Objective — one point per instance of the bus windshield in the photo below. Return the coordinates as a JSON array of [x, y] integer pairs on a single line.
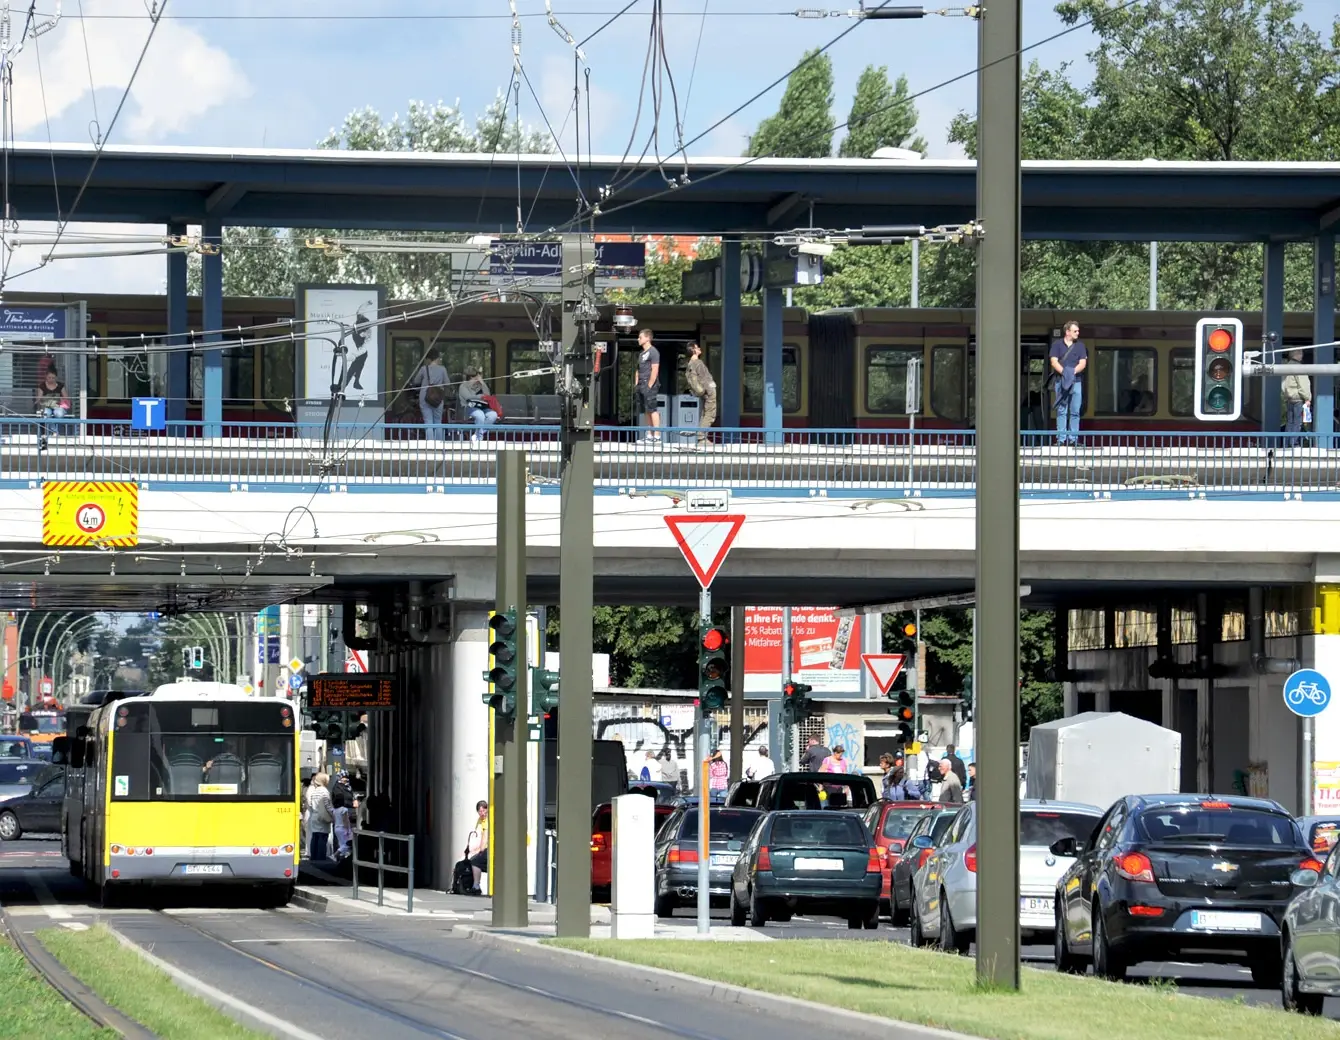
[[41, 722], [202, 751]]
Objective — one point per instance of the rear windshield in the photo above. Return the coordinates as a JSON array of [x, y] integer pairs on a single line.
[[818, 830], [19, 772], [839, 792], [898, 823], [722, 824], [1045, 828], [1322, 835], [1249, 828]]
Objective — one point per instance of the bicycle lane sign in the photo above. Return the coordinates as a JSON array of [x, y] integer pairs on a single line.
[[1307, 692]]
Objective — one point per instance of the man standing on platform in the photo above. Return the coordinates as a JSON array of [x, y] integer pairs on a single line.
[[1068, 357], [647, 385], [702, 384]]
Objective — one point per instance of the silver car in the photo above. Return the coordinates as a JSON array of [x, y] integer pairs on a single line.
[[944, 897]]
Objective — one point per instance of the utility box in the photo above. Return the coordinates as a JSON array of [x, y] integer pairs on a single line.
[[1097, 757], [633, 868], [685, 416]]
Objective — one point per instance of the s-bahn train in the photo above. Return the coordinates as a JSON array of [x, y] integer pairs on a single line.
[[842, 369]]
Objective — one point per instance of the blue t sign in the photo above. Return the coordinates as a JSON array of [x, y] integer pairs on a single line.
[[1307, 692], [148, 413]]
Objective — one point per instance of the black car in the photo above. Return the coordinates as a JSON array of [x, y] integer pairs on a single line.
[[844, 791], [37, 812], [932, 826], [677, 855], [823, 863], [743, 794], [1199, 878]]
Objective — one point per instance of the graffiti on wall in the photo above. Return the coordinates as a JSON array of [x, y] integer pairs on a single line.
[[640, 733], [845, 733]]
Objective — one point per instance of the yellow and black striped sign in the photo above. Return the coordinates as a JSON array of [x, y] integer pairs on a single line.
[[90, 512]]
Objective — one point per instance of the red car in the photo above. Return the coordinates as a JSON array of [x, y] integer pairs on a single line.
[[889, 824], [602, 841]]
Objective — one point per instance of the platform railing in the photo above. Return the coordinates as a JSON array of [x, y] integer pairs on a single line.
[[289, 456], [384, 868]]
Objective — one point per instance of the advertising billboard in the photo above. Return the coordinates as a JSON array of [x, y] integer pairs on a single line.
[[825, 650]]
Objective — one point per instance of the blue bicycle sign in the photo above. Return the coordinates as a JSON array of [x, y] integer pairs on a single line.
[[1307, 692]]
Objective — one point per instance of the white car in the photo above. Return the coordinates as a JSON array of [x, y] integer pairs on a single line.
[[944, 896]]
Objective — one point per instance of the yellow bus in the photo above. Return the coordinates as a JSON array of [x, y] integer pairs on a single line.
[[196, 784]]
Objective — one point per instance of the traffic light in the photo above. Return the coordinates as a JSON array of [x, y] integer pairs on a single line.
[[909, 651], [197, 658], [502, 676], [905, 711], [713, 668], [544, 689], [796, 701], [1218, 390]]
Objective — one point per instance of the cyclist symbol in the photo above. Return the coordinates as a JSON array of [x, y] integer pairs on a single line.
[[1307, 692]]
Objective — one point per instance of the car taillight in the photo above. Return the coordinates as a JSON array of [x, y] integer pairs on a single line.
[[683, 854], [1215, 805], [1312, 864], [1146, 911], [1134, 866], [764, 858], [873, 864], [970, 858]]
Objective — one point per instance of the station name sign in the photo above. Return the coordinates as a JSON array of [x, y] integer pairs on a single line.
[[344, 691]]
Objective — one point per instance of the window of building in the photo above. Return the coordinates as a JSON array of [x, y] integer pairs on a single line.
[[1125, 381], [886, 379], [954, 383], [524, 355], [1182, 381], [753, 379]]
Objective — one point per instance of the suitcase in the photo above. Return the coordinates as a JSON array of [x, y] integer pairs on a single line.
[[462, 877]]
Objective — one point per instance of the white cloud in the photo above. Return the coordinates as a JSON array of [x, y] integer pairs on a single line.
[[119, 274], [183, 75]]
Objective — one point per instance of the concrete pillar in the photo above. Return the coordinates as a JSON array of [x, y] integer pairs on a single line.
[[211, 270], [772, 359], [1272, 320], [179, 361], [467, 726], [732, 353], [1323, 331]]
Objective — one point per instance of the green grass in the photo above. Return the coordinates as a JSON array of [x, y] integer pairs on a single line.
[[34, 1009], [936, 989], [137, 989]]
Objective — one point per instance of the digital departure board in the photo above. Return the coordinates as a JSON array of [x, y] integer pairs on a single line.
[[351, 691]]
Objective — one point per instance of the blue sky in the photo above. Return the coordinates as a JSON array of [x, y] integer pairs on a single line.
[[250, 79]]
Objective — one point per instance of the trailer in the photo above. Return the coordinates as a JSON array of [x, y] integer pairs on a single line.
[[1097, 757]]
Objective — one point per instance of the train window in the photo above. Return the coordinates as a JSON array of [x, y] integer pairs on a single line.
[[753, 379], [407, 354], [460, 354], [278, 375], [239, 373], [886, 378], [954, 383], [1125, 381], [1182, 381], [134, 375], [523, 355]]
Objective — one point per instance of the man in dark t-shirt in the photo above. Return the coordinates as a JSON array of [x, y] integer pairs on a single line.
[[814, 756], [1068, 358], [648, 381]]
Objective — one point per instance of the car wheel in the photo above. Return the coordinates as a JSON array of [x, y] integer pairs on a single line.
[[758, 916], [951, 941], [9, 826], [1294, 999], [1066, 961], [915, 936], [736, 910], [898, 914], [1107, 964], [871, 920], [665, 906]]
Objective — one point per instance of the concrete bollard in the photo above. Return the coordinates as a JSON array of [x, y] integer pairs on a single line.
[[633, 869]]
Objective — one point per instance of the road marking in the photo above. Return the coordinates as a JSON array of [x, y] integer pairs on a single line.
[[54, 910], [293, 940]]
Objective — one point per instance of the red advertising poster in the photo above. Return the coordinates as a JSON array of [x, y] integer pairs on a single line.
[[825, 649]]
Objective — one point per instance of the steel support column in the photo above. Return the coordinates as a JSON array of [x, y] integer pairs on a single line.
[[179, 361], [996, 663], [732, 353], [772, 360], [211, 276], [576, 601], [509, 858], [1272, 320], [1323, 331]]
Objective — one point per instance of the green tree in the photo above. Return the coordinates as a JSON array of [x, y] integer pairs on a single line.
[[881, 116], [802, 127]]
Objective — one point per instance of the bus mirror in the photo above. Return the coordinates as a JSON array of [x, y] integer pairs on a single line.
[[60, 751]]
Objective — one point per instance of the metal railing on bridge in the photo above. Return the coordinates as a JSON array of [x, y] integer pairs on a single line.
[[287, 456]]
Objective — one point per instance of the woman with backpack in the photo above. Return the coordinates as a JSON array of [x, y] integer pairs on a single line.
[[432, 382]]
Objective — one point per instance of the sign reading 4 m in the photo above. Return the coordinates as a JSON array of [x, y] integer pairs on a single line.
[[90, 512]]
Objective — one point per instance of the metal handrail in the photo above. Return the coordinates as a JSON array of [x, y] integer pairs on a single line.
[[383, 867]]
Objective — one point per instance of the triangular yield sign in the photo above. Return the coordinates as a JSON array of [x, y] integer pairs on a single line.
[[883, 668], [705, 541]]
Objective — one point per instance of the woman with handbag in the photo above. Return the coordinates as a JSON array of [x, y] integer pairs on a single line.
[[432, 382]]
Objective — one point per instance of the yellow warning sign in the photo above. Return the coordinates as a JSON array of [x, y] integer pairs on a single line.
[[90, 512]]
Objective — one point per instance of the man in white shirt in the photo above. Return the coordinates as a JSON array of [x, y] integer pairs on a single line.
[[761, 768]]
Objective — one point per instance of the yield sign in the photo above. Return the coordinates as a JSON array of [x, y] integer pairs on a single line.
[[883, 668], [705, 541]]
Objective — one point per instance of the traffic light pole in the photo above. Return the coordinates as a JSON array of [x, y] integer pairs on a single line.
[[510, 908], [704, 794], [576, 601], [997, 653]]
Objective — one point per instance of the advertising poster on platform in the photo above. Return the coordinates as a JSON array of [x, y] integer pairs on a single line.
[[1326, 788], [825, 650], [341, 316]]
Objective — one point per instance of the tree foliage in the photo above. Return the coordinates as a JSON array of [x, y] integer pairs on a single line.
[[802, 126], [881, 116]]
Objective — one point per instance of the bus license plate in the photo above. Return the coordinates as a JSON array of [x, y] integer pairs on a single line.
[[202, 868]]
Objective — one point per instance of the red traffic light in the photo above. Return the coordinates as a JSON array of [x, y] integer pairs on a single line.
[[789, 689], [1220, 340], [714, 639]]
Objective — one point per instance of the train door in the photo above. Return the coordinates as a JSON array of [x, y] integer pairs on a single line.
[[1035, 410], [618, 373]]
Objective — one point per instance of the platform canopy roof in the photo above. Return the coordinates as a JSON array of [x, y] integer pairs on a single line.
[[1138, 201]]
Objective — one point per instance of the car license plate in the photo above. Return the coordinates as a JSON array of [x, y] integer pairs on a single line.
[[724, 859], [202, 868], [1029, 905], [818, 864], [1225, 921]]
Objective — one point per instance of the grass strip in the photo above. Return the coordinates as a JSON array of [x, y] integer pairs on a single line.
[[33, 1009], [936, 989], [136, 988]]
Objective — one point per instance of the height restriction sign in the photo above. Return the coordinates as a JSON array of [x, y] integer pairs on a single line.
[[90, 512]]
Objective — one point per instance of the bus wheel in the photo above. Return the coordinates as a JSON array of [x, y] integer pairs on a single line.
[[108, 895], [275, 896], [76, 868]]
